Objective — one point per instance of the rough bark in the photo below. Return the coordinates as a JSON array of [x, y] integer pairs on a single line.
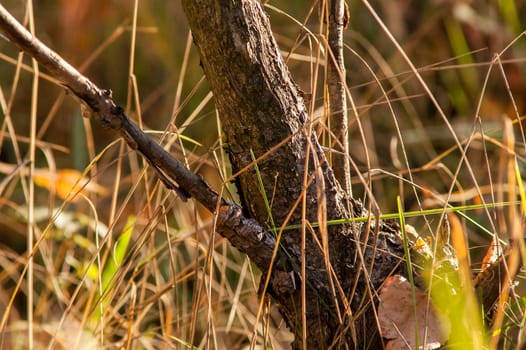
[[260, 108]]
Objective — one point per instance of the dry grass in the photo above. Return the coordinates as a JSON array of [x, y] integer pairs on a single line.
[[120, 262]]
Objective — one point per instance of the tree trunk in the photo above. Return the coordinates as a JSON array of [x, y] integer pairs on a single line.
[[263, 116]]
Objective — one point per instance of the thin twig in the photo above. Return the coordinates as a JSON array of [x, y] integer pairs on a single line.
[[337, 21]]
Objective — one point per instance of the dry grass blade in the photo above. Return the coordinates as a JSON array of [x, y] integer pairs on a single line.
[[436, 96]]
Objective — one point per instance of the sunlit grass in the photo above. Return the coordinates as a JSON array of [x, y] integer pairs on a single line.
[[103, 253]]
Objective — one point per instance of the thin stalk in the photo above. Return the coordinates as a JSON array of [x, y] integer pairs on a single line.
[[336, 19], [31, 199]]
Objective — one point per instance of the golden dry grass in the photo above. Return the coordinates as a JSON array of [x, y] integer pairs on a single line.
[[436, 107]]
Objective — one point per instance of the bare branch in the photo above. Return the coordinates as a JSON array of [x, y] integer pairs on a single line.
[[245, 234]]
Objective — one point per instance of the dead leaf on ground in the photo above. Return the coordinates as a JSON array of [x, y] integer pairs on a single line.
[[397, 317], [67, 183]]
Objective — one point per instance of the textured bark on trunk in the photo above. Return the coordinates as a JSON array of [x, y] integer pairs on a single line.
[[262, 112]]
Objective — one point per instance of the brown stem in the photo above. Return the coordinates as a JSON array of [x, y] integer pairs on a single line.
[[337, 20]]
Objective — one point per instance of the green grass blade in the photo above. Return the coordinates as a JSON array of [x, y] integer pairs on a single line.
[[264, 194]]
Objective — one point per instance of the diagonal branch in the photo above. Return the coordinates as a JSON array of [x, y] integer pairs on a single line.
[[245, 234]]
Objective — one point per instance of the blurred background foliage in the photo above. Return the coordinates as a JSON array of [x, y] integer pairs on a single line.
[[453, 44]]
